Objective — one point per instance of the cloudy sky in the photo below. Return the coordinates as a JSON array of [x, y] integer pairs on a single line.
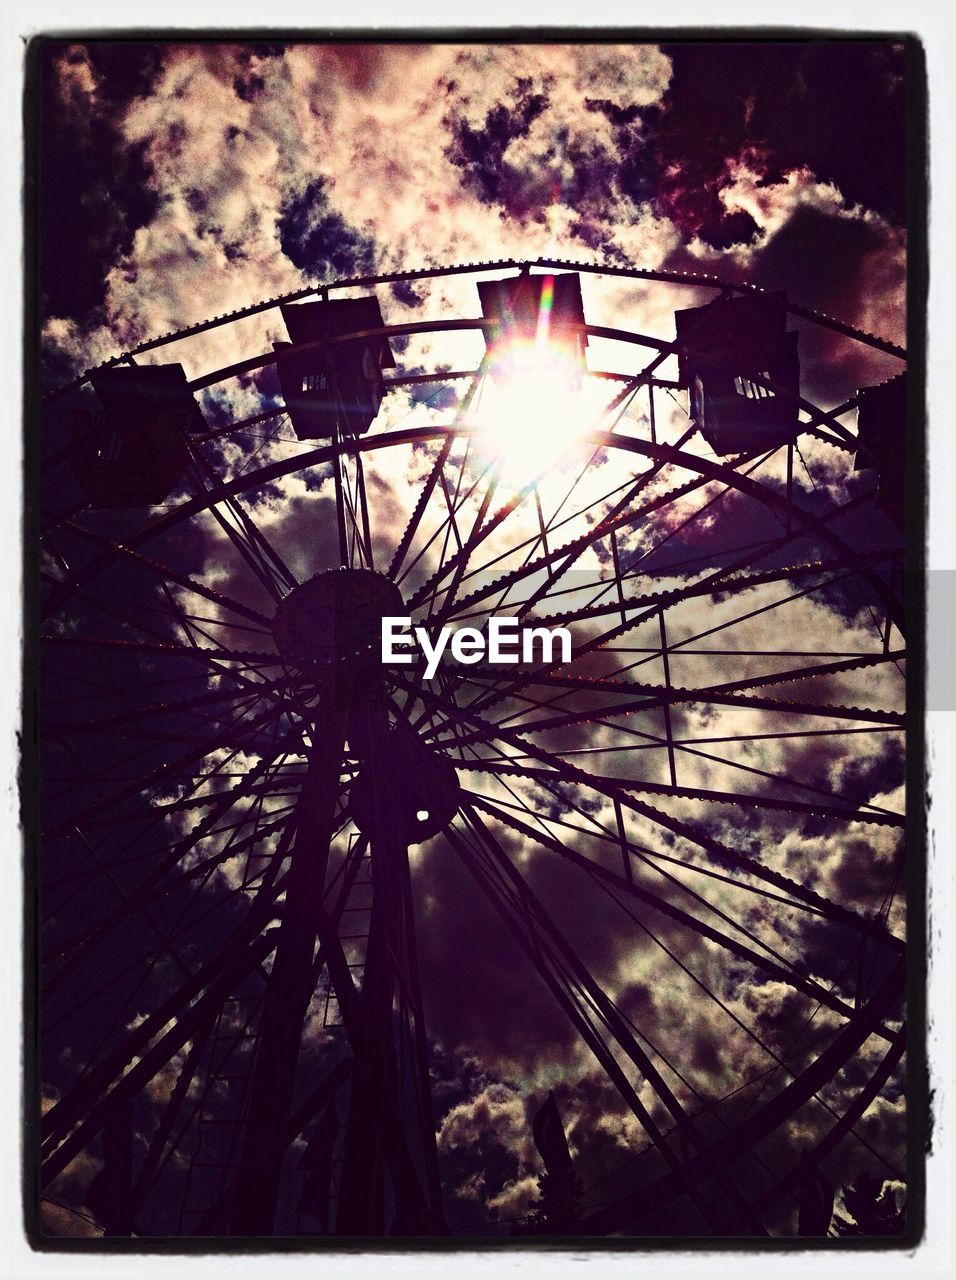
[[181, 182]]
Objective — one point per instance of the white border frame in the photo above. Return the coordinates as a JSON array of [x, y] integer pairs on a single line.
[[935, 1257]]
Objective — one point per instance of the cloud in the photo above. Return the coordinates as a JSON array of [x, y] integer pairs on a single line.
[[318, 241]]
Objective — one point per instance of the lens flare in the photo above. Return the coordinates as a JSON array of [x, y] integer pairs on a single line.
[[536, 402], [531, 412]]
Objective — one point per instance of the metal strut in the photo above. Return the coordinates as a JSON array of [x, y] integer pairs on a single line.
[[290, 987], [384, 1057]]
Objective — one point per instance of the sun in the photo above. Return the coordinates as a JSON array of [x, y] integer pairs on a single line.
[[533, 408]]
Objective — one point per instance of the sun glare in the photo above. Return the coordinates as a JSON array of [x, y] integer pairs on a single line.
[[533, 408]]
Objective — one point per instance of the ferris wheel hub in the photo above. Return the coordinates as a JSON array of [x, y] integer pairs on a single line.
[[332, 624]]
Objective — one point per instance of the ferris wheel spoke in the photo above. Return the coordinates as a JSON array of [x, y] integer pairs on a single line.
[[742, 582], [81, 946], [723, 574], [609, 523], [721, 580], [447, 525], [615, 886], [565, 556], [652, 1197], [723, 853], [152, 1164], [162, 774], [363, 534], [619, 405], [211, 698], [201, 869], [615, 684], [847, 810], [483, 528], [543, 928], [141, 909], [451, 520], [756, 613], [842, 813], [436, 474], [206, 655], [246, 536], [747, 464], [869, 813], [604, 717], [618, 838], [620, 516], [266, 893], [629, 849], [142, 968], [540, 538], [646, 697], [854, 810], [766, 959], [242, 952], [176, 515], [287, 789], [166, 573], [154, 1059], [157, 634], [549, 969], [363, 531], [247, 675], [605, 638], [87, 691], [350, 535], [77, 880], [530, 568], [455, 564], [454, 505], [137, 823], [841, 667], [421, 505], [880, 815], [844, 1126], [247, 549]]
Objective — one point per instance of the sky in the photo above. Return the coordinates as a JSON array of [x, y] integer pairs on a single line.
[[184, 181]]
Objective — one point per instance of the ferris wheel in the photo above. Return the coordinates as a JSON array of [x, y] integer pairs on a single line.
[[282, 881]]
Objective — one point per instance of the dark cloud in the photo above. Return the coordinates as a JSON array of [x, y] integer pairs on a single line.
[[810, 254], [250, 87], [481, 153], [318, 240], [835, 107], [403, 291], [85, 229]]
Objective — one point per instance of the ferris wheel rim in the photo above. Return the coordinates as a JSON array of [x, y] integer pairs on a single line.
[[654, 275]]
